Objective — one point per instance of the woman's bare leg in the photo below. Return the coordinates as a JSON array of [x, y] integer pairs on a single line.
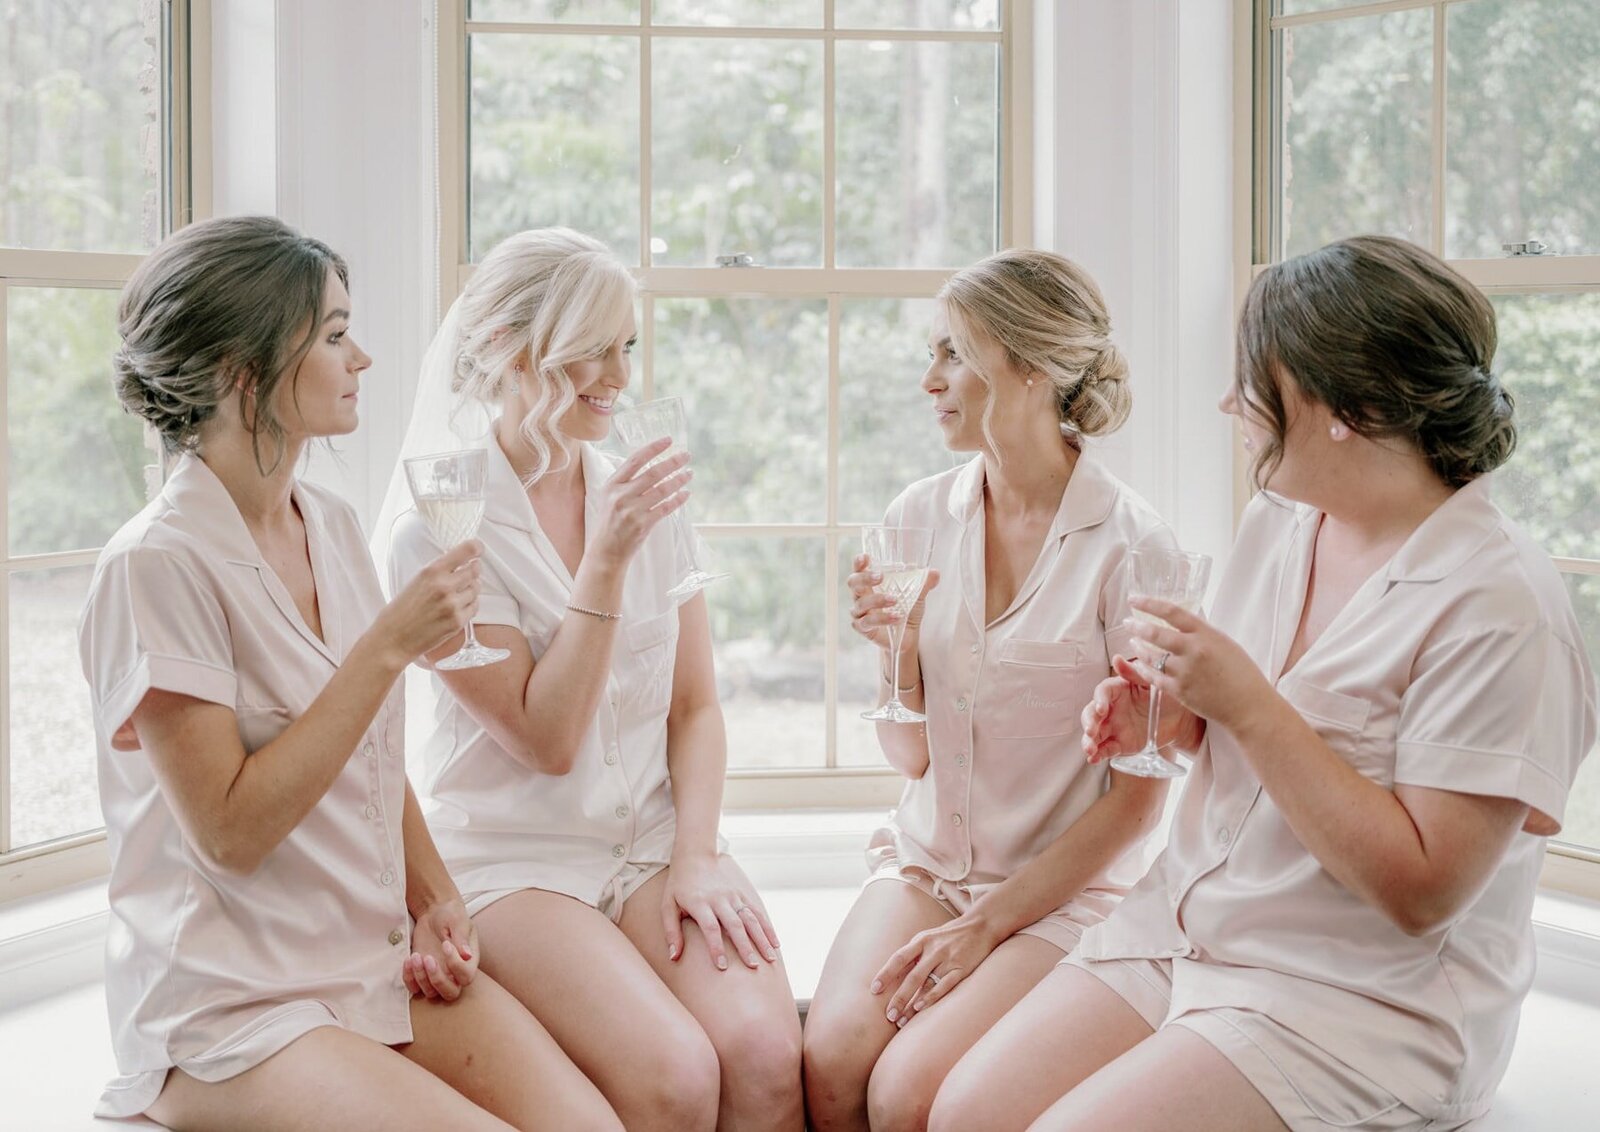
[[590, 988], [909, 1073], [488, 1047], [846, 1030], [1175, 1081], [1066, 1029], [329, 1079], [749, 1016]]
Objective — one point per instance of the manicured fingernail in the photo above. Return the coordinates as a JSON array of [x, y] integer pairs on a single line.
[[465, 954], [722, 962], [771, 955], [877, 985], [427, 961], [893, 1014]]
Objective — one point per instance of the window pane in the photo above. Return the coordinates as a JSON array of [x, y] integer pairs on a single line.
[[918, 135], [555, 11], [1582, 826], [753, 374], [887, 435], [1299, 7], [962, 15], [737, 151], [1524, 125], [1549, 359], [75, 460], [766, 620], [1357, 114], [858, 660], [740, 13], [80, 126], [53, 788], [555, 138]]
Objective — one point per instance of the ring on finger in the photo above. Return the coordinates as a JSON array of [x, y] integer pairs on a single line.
[[933, 978], [1161, 665]]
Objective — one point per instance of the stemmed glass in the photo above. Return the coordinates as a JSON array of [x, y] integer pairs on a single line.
[[448, 488], [901, 555], [639, 426], [1180, 578]]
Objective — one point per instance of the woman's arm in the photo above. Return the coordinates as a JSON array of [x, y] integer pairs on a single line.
[[1418, 855], [444, 941], [701, 884], [1114, 822], [905, 747], [540, 713], [236, 807]]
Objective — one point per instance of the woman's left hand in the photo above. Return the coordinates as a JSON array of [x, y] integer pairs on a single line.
[[931, 964], [713, 892], [1206, 670], [444, 951]]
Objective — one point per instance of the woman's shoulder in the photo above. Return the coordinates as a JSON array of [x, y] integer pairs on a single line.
[[924, 500]]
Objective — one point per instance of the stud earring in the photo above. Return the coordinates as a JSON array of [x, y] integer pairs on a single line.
[[1338, 432], [1030, 381]]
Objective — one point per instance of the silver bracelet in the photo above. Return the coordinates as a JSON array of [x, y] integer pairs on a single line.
[[600, 613]]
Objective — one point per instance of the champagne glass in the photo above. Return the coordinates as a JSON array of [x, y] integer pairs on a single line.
[[901, 555], [637, 427], [1180, 578], [448, 488]]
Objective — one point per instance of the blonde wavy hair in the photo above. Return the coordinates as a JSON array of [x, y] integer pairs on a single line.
[[555, 294], [1050, 318]]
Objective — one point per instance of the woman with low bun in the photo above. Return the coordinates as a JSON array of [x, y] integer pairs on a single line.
[[1005, 847], [1388, 707], [286, 949]]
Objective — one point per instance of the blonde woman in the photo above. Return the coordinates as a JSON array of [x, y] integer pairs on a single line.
[[1390, 703], [1005, 847], [575, 789], [286, 949]]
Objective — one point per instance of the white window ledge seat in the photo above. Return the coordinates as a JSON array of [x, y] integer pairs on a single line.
[[55, 1052]]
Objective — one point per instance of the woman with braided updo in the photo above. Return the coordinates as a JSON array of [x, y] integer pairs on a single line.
[[1005, 846], [1388, 705], [286, 949]]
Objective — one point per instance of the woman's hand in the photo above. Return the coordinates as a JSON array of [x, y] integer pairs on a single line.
[[929, 966], [444, 951], [1204, 669], [1116, 720], [872, 612], [713, 893], [435, 605], [637, 497]]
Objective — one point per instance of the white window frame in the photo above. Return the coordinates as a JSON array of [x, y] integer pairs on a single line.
[[1257, 155], [829, 786], [185, 67]]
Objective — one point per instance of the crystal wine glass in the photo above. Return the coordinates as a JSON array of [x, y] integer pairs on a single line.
[[901, 555], [448, 489], [1180, 578], [637, 427]]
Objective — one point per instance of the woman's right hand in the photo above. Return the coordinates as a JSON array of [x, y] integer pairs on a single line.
[[435, 605], [871, 613], [1116, 720], [636, 498]]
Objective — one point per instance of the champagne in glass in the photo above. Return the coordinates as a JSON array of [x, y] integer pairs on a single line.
[[1180, 578], [448, 489], [651, 421], [901, 555]]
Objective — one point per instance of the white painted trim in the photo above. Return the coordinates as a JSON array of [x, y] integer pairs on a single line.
[[674, 31]]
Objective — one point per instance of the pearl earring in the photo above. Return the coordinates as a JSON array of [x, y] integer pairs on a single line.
[[1338, 432], [1030, 381]]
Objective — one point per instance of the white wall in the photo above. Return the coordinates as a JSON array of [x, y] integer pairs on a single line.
[[1134, 152], [323, 115]]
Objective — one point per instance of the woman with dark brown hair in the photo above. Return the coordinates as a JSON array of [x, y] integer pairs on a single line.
[[285, 948], [1387, 707]]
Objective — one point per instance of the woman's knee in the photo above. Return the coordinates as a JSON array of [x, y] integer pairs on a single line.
[[901, 1091], [759, 1055], [685, 1082]]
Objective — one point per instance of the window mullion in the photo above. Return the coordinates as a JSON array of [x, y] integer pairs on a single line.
[[830, 563], [5, 584], [1440, 90]]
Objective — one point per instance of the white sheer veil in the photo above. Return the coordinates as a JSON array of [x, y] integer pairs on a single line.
[[441, 421]]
